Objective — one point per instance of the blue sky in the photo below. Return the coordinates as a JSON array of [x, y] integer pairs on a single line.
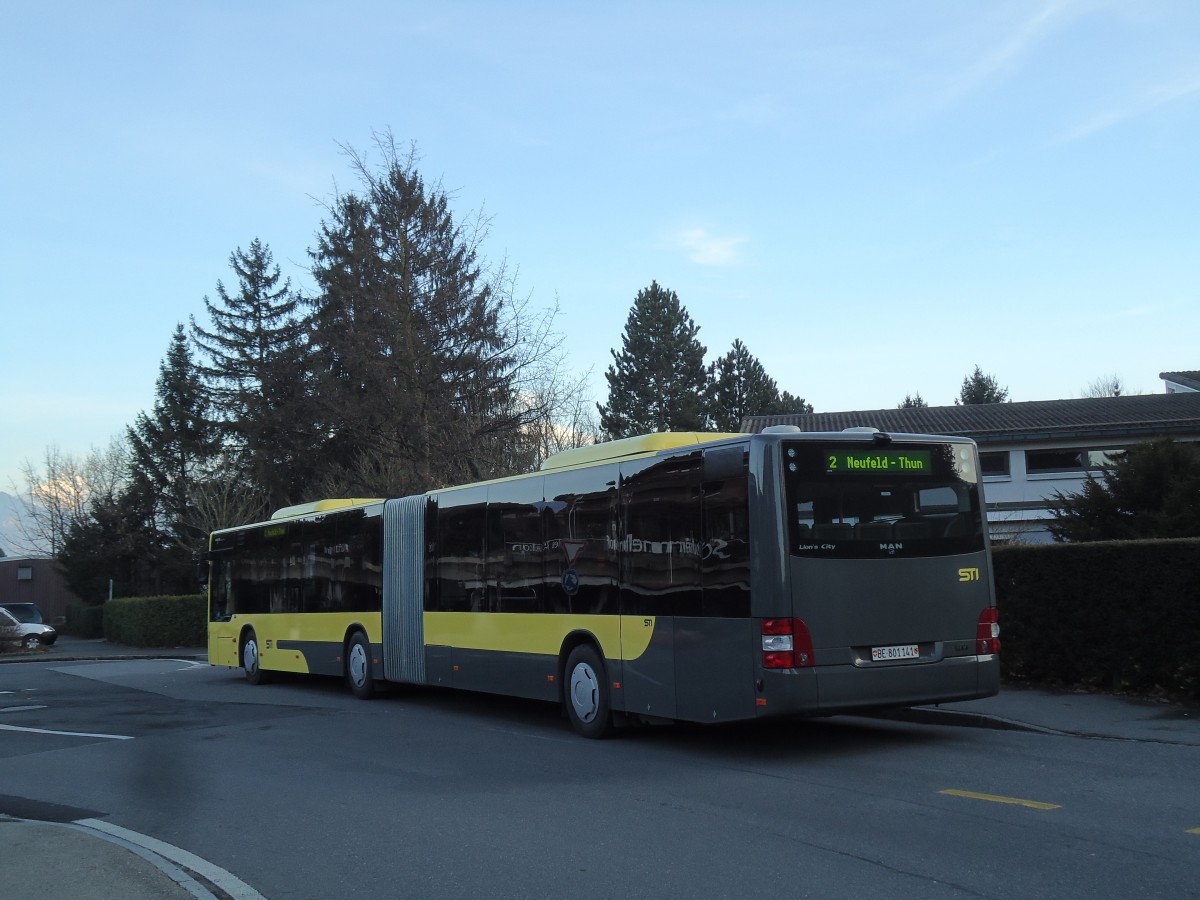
[[874, 196]]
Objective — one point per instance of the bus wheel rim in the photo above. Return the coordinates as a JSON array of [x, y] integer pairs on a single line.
[[358, 664], [250, 656], [585, 692]]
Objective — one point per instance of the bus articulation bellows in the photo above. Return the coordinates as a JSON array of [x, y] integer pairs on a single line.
[[704, 578]]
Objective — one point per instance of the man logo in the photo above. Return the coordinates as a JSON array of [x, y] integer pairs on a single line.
[[968, 574]]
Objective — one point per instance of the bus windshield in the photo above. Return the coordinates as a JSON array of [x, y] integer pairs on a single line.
[[865, 501]]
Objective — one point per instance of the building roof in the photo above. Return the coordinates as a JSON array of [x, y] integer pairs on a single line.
[[1142, 416], [1187, 379]]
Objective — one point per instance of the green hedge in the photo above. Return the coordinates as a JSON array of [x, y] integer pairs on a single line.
[[84, 620], [1122, 616], [157, 621]]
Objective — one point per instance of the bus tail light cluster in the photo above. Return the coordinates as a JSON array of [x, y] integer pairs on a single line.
[[786, 644], [987, 634]]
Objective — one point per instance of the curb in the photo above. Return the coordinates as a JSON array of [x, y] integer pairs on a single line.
[[50, 657], [928, 715]]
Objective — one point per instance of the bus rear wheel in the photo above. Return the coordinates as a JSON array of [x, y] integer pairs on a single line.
[[251, 662], [587, 700], [358, 667]]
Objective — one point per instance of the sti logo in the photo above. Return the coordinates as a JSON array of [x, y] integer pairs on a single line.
[[965, 575]]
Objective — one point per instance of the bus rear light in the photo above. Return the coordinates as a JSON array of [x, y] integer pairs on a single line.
[[786, 644], [987, 633]]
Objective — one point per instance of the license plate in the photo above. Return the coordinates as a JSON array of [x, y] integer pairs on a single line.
[[907, 651]]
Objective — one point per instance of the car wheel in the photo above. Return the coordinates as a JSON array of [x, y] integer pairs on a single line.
[[358, 667], [587, 699], [31, 642], [251, 661]]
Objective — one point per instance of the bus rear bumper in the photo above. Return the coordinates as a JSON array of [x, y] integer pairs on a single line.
[[851, 688]]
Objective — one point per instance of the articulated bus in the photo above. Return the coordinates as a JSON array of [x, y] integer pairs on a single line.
[[694, 577]]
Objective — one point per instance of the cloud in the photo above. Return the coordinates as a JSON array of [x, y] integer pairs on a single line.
[[709, 249], [1005, 56], [1162, 95]]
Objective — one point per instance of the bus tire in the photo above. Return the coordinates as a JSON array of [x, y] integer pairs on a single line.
[[358, 667], [251, 659], [587, 694]]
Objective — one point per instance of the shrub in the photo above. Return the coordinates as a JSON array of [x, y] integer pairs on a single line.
[[1119, 615], [157, 621], [84, 620]]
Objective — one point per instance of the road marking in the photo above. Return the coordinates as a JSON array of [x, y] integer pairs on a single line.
[[111, 737], [22, 708], [994, 798], [1193, 831], [214, 874]]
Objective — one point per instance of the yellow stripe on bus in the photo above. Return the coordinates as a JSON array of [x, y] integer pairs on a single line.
[[620, 637]]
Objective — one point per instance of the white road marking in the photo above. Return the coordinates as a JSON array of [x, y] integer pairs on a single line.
[[111, 737], [22, 708]]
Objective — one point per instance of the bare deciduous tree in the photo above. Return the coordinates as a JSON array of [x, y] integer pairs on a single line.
[[1107, 386], [59, 494]]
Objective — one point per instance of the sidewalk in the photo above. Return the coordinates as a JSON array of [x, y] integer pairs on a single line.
[[87, 864], [74, 649], [1080, 714]]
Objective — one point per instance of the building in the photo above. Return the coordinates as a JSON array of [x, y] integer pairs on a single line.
[[35, 580], [1181, 382], [1031, 450]]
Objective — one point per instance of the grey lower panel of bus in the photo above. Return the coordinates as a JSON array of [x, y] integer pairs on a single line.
[[323, 657], [695, 669], [404, 589], [529, 675]]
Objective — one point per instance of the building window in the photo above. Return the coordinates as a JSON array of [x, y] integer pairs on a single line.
[[1099, 458], [24, 573], [1072, 461], [994, 463], [1039, 462]]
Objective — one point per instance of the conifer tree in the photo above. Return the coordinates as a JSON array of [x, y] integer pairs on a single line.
[[739, 386], [416, 350], [980, 388], [1149, 491], [788, 404], [658, 381], [254, 364], [173, 449]]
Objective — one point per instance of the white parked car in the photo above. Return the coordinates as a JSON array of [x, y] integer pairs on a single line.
[[27, 634]]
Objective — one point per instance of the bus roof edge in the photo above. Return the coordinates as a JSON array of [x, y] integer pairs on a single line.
[[320, 506], [641, 445]]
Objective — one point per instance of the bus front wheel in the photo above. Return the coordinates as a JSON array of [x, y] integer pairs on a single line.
[[587, 699], [251, 661], [358, 667]]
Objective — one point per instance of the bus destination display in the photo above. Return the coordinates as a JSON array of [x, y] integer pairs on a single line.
[[892, 462]]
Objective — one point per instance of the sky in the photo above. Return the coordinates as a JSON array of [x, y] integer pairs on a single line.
[[875, 197]]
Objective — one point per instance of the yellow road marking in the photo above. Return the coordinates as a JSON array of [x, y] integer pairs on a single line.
[[1193, 831], [1032, 804]]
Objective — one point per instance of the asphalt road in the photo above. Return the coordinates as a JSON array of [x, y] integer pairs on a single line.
[[302, 791]]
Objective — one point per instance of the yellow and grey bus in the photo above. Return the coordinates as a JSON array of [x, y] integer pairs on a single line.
[[694, 577]]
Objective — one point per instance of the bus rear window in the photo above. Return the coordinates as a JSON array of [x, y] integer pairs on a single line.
[[860, 501]]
